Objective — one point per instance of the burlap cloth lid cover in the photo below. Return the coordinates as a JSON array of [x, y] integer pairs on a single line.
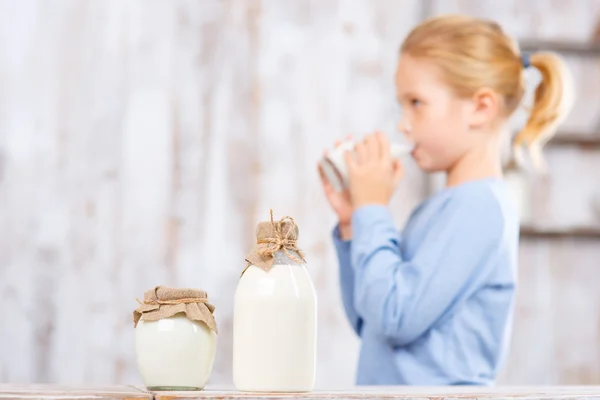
[[275, 240], [163, 302]]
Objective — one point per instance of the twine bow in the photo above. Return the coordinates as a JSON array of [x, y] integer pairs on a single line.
[[282, 241], [273, 236]]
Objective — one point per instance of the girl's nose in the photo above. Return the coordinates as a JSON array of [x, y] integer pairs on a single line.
[[405, 127]]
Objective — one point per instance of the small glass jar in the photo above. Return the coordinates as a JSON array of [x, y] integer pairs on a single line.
[[175, 341]]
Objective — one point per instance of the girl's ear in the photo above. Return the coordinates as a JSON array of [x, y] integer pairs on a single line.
[[485, 105]]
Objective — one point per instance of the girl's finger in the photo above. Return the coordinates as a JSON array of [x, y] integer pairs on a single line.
[[384, 147], [362, 154], [398, 172], [327, 187], [371, 142], [351, 162]]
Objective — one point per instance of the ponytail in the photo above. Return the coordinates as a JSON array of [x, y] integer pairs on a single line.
[[552, 102]]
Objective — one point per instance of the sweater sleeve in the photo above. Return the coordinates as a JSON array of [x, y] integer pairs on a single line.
[[403, 298], [346, 277]]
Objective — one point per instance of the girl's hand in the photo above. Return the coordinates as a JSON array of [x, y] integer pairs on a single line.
[[372, 172], [341, 204]]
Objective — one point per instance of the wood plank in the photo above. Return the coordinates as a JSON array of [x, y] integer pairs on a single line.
[[591, 232], [577, 139], [405, 393], [566, 197], [58, 392], [565, 47]]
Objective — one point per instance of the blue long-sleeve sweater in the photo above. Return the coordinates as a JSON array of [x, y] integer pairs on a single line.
[[433, 304]]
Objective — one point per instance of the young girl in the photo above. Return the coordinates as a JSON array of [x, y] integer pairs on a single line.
[[433, 304]]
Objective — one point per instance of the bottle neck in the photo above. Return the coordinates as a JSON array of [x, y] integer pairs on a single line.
[[281, 257]]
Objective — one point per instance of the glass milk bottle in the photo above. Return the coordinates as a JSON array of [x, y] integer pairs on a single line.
[[275, 309], [175, 338]]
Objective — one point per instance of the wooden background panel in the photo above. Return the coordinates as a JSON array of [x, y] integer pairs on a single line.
[[569, 195], [585, 114], [141, 141], [556, 332], [547, 19]]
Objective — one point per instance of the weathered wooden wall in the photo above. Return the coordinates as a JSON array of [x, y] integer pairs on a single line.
[[140, 142]]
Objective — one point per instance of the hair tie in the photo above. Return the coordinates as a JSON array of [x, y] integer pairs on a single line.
[[525, 60]]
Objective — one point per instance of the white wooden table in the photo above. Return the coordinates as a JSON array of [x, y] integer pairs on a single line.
[[19, 392], [401, 393], [60, 392]]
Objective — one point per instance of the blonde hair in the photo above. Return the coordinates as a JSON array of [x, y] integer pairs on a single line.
[[473, 53]]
